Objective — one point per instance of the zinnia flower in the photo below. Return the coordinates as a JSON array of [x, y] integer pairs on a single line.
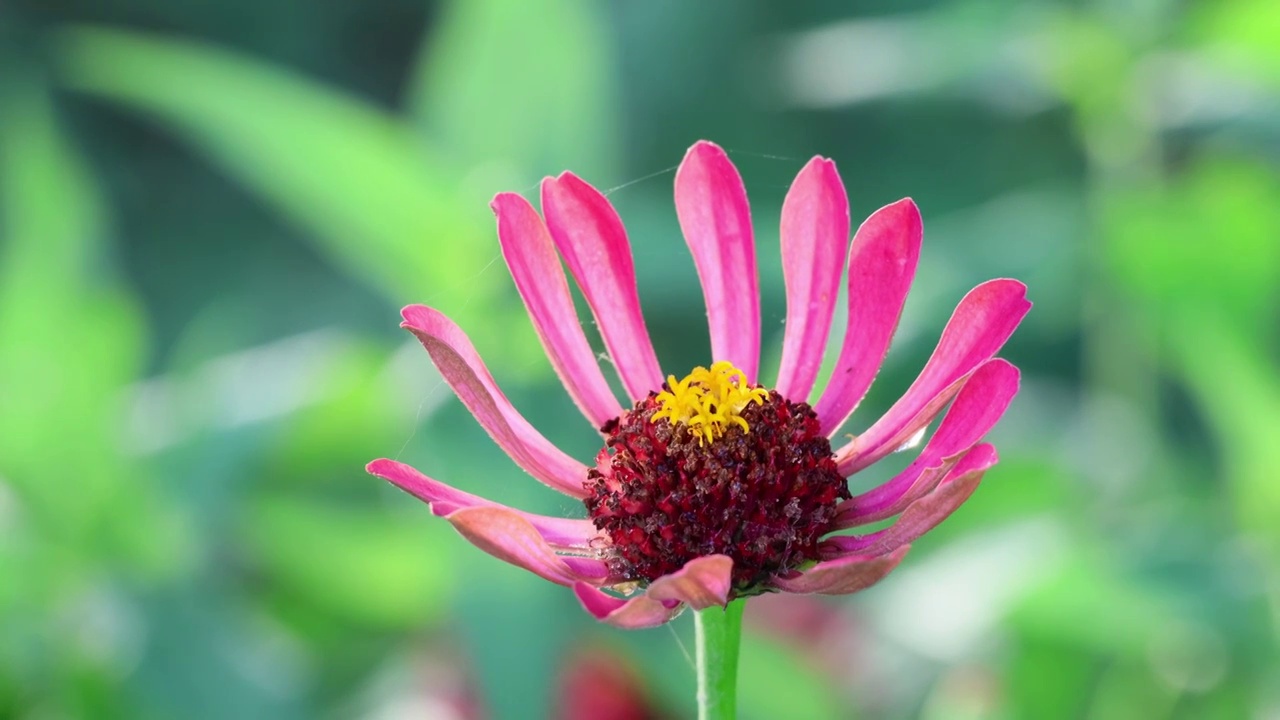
[[713, 486]]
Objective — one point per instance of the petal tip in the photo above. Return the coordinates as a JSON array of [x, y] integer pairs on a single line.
[[1009, 284], [705, 155], [553, 184], [593, 601], [993, 456], [415, 315], [565, 176], [982, 456], [567, 187], [705, 146], [1000, 371], [502, 202], [823, 170], [378, 467], [906, 211]]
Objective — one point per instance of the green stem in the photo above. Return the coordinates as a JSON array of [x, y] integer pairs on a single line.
[[718, 633]]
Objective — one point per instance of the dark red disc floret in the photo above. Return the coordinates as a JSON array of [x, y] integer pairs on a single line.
[[763, 497]]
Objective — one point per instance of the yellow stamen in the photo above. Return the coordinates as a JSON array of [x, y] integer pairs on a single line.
[[709, 401]]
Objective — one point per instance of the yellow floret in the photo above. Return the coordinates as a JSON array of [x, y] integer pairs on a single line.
[[709, 401]]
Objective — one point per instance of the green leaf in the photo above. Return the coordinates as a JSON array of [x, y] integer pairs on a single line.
[[325, 446], [1241, 34], [1231, 373], [1207, 239], [71, 339], [376, 200], [369, 566], [1202, 254], [1088, 61], [520, 86], [775, 681], [1088, 603], [74, 509]]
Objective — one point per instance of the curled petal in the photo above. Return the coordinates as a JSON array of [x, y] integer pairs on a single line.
[[924, 514], [980, 404], [590, 236], [508, 536], [702, 583], [563, 533], [882, 263], [634, 613], [814, 235], [843, 575], [711, 203], [462, 368], [980, 325], [535, 267]]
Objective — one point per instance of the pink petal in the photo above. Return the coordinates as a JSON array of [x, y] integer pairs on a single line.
[[882, 263], [843, 575], [462, 368], [590, 236], [711, 203], [702, 583], [980, 325], [924, 514], [535, 267], [560, 532], [634, 613], [980, 404], [815, 233], [508, 536]]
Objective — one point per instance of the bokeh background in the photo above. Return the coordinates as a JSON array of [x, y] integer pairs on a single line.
[[210, 213]]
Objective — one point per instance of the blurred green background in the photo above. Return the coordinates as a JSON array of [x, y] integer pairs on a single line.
[[210, 213]]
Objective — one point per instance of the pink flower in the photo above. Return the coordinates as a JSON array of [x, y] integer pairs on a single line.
[[713, 486]]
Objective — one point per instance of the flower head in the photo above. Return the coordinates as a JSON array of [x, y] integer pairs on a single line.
[[761, 488], [715, 486]]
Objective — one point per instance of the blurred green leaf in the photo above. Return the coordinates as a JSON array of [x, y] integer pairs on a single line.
[[1048, 679], [1203, 255], [1088, 60], [1089, 603], [56, 384], [1241, 33], [1018, 487], [73, 508], [517, 628], [521, 86], [70, 340], [1128, 690], [1207, 239], [363, 413], [354, 176], [1232, 373], [774, 681], [368, 566]]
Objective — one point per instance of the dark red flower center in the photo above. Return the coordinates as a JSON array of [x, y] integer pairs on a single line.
[[724, 468]]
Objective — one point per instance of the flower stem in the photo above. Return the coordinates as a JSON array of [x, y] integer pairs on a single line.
[[718, 632]]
